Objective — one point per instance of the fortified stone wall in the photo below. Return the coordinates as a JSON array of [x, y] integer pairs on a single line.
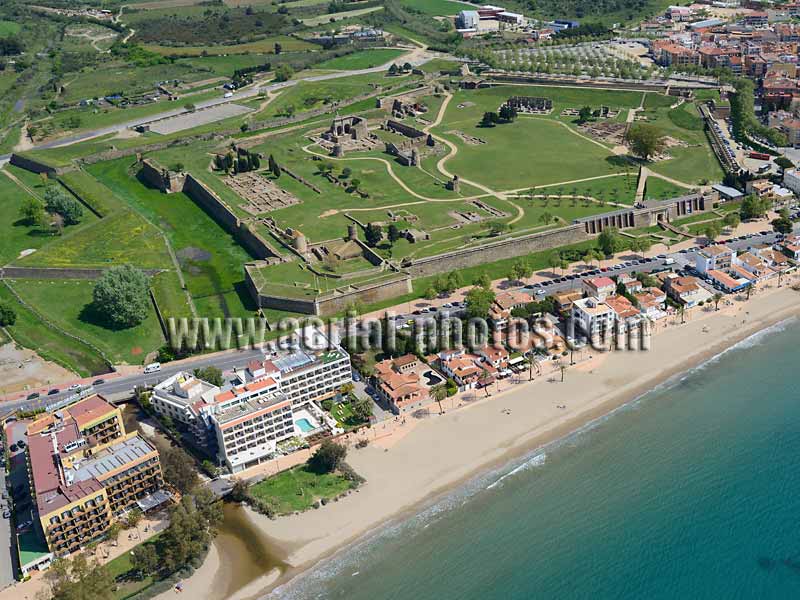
[[487, 253], [29, 164], [367, 294]]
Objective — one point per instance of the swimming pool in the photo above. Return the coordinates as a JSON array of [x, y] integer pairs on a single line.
[[304, 425]]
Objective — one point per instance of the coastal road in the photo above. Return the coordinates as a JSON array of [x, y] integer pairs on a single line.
[[415, 57], [226, 361]]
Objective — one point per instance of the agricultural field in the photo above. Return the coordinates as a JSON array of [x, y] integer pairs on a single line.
[[438, 8], [261, 46]]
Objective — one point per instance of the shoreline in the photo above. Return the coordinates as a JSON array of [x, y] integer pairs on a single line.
[[403, 477]]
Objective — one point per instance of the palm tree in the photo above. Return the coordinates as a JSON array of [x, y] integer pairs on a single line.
[[484, 377], [682, 312], [561, 367], [717, 298], [439, 393], [533, 362]]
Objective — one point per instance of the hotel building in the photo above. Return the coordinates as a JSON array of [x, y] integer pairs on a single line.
[[85, 471]]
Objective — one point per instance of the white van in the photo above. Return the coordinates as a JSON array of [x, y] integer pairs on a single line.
[[152, 368]]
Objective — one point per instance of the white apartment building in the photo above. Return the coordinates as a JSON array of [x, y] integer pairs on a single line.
[[267, 402], [594, 317], [718, 257]]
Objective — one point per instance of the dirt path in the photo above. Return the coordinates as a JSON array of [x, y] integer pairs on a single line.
[[16, 180]]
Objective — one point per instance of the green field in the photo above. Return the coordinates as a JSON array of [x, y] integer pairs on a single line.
[[361, 60], [340, 16], [263, 46], [210, 258], [68, 303], [436, 8], [658, 189], [15, 234], [9, 28], [29, 331], [297, 489]]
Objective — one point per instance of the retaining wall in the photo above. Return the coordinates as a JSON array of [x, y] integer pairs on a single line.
[[494, 251], [29, 164]]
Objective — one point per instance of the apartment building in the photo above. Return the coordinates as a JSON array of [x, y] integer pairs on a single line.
[[250, 421], [85, 471], [265, 403], [717, 257], [592, 316]]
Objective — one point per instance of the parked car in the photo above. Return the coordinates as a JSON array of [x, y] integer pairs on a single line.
[[74, 387], [53, 391], [98, 382], [33, 396], [6, 514], [24, 525]]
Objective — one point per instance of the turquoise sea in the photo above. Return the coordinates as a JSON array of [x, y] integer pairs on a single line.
[[692, 491]]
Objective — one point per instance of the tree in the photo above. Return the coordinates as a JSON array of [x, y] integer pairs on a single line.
[[8, 315], [58, 202], [717, 298], [498, 227], [346, 172], [373, 234], [644, 140], [554, 261], [439, 393], [609, 241], [484, 381], [190, 107], [212, 375], [584, 114], [431, 293], [354, 183], [507, 113], [112, 534], [783, 162], [782, 225], [393, 69], [712, 231], [546, 218], [240, 492], [483, 281], [274, 167], [179, 468], [278, 48], [753, 207], [145, 560], [732, 220], [80, 578], [393, 233], [489, 119], [479, 301], [121, 296], [328, 457], [362, 409], [283, 73], [32, 211]]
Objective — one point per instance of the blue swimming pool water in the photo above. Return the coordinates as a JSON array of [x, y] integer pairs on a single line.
[[304, 425]]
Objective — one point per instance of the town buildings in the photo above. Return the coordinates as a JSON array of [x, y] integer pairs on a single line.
[[265, 403], [86, 471]]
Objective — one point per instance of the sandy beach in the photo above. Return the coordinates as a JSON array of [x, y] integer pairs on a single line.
[[429, 457]]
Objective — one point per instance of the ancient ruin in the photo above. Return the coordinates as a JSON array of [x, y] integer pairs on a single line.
[[261, 194], [533, 105]]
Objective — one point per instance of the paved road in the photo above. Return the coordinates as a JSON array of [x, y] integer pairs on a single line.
[[415, 58], [238, 358]]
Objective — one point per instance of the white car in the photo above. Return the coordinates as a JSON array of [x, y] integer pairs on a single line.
[[228, 95], [74, 387]]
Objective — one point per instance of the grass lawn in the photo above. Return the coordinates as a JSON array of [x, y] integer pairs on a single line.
[[50, 344], [15, 234], [9, 28], [343, 413], [121, 569], [658, 189], [92, 192], [361, 60], [297, 489], [533, 150], [124, 237], [68, 303], [210, 258], [224, 66]]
